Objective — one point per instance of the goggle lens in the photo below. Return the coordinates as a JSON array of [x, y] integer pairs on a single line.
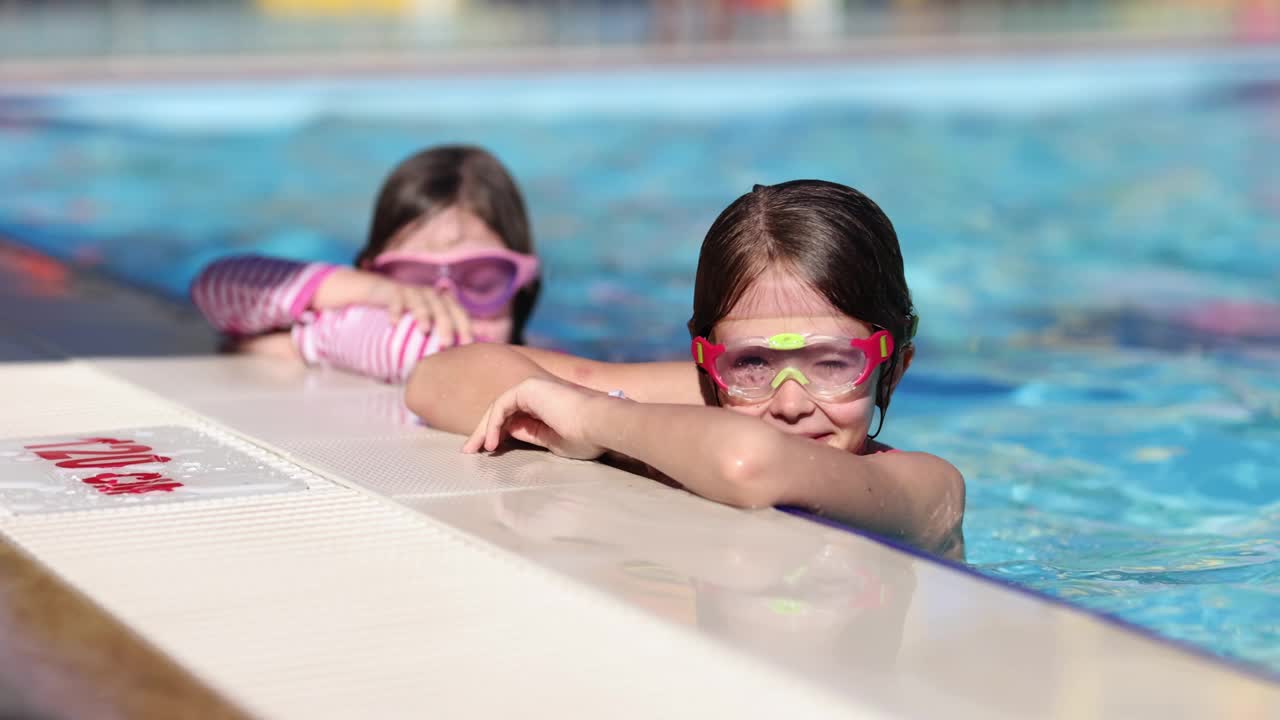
[[826, 368], [482, 285], [485, 282]]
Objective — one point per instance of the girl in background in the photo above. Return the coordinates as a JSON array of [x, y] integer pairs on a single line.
[[449, 260]]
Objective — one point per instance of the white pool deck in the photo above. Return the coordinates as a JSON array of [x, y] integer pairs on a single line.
[[408, 580]]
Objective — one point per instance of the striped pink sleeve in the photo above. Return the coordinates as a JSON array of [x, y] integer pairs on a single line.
[[362, 339], [252, 294]]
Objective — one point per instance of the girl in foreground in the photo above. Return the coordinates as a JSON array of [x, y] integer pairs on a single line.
[[802, 327], [449, 260]]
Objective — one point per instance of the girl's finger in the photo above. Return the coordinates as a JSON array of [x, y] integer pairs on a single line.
[[479, 438], [476, 440], [526, 428], [442, 323], [503, 408], [461, 320], [395, 308], [421, 310]]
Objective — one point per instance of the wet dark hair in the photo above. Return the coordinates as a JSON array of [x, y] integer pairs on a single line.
[[830, 236], [463, 176]]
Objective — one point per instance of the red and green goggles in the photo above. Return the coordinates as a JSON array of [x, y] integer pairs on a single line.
[[828, 367]]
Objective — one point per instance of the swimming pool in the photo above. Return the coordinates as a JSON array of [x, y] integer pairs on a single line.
[[1094, 245]]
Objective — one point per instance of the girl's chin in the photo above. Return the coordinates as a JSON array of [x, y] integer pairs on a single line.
[[488, 335], [491, 332]]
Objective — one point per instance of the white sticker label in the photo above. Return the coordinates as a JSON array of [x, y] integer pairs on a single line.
[[137, 465]]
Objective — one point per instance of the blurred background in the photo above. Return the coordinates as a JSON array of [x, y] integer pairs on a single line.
[[83, 28], [1087, 193]]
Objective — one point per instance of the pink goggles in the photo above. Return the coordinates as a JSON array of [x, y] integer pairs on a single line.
[[484, 281], [828, 367]]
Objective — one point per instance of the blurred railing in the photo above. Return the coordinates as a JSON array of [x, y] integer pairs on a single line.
[[128, 28]]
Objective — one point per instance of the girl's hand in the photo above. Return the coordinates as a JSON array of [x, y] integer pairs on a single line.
[[545, 412], [434, 310]]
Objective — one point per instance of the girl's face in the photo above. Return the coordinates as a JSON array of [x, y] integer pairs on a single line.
[[777, 302], [450, 230]]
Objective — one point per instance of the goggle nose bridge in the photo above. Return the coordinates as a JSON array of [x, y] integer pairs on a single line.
[[443, 279], [788, 373]]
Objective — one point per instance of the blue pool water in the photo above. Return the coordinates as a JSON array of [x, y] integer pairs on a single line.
[[1094, 246]]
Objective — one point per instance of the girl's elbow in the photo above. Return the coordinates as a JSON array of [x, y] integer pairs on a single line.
[[747, 477], [419, 389], [944, 531]]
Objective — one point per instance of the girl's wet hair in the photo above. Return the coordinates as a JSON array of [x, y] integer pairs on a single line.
[[830, 236], [460, 176]]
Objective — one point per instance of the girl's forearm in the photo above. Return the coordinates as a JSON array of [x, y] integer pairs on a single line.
[[739, 460], [711, 451], [723, 455], [340, 288], [252, 294], [362, 339], [651, 382]]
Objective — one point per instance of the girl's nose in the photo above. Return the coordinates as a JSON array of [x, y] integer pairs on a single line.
[[791, 402], [445, 283]]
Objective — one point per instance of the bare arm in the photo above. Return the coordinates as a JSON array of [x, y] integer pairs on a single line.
[[916, 498], [451, 390], [913, 497], [650, 382], [735, 459]]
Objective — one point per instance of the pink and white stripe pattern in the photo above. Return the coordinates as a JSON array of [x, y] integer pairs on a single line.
[[250, 295], [362, 339]]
